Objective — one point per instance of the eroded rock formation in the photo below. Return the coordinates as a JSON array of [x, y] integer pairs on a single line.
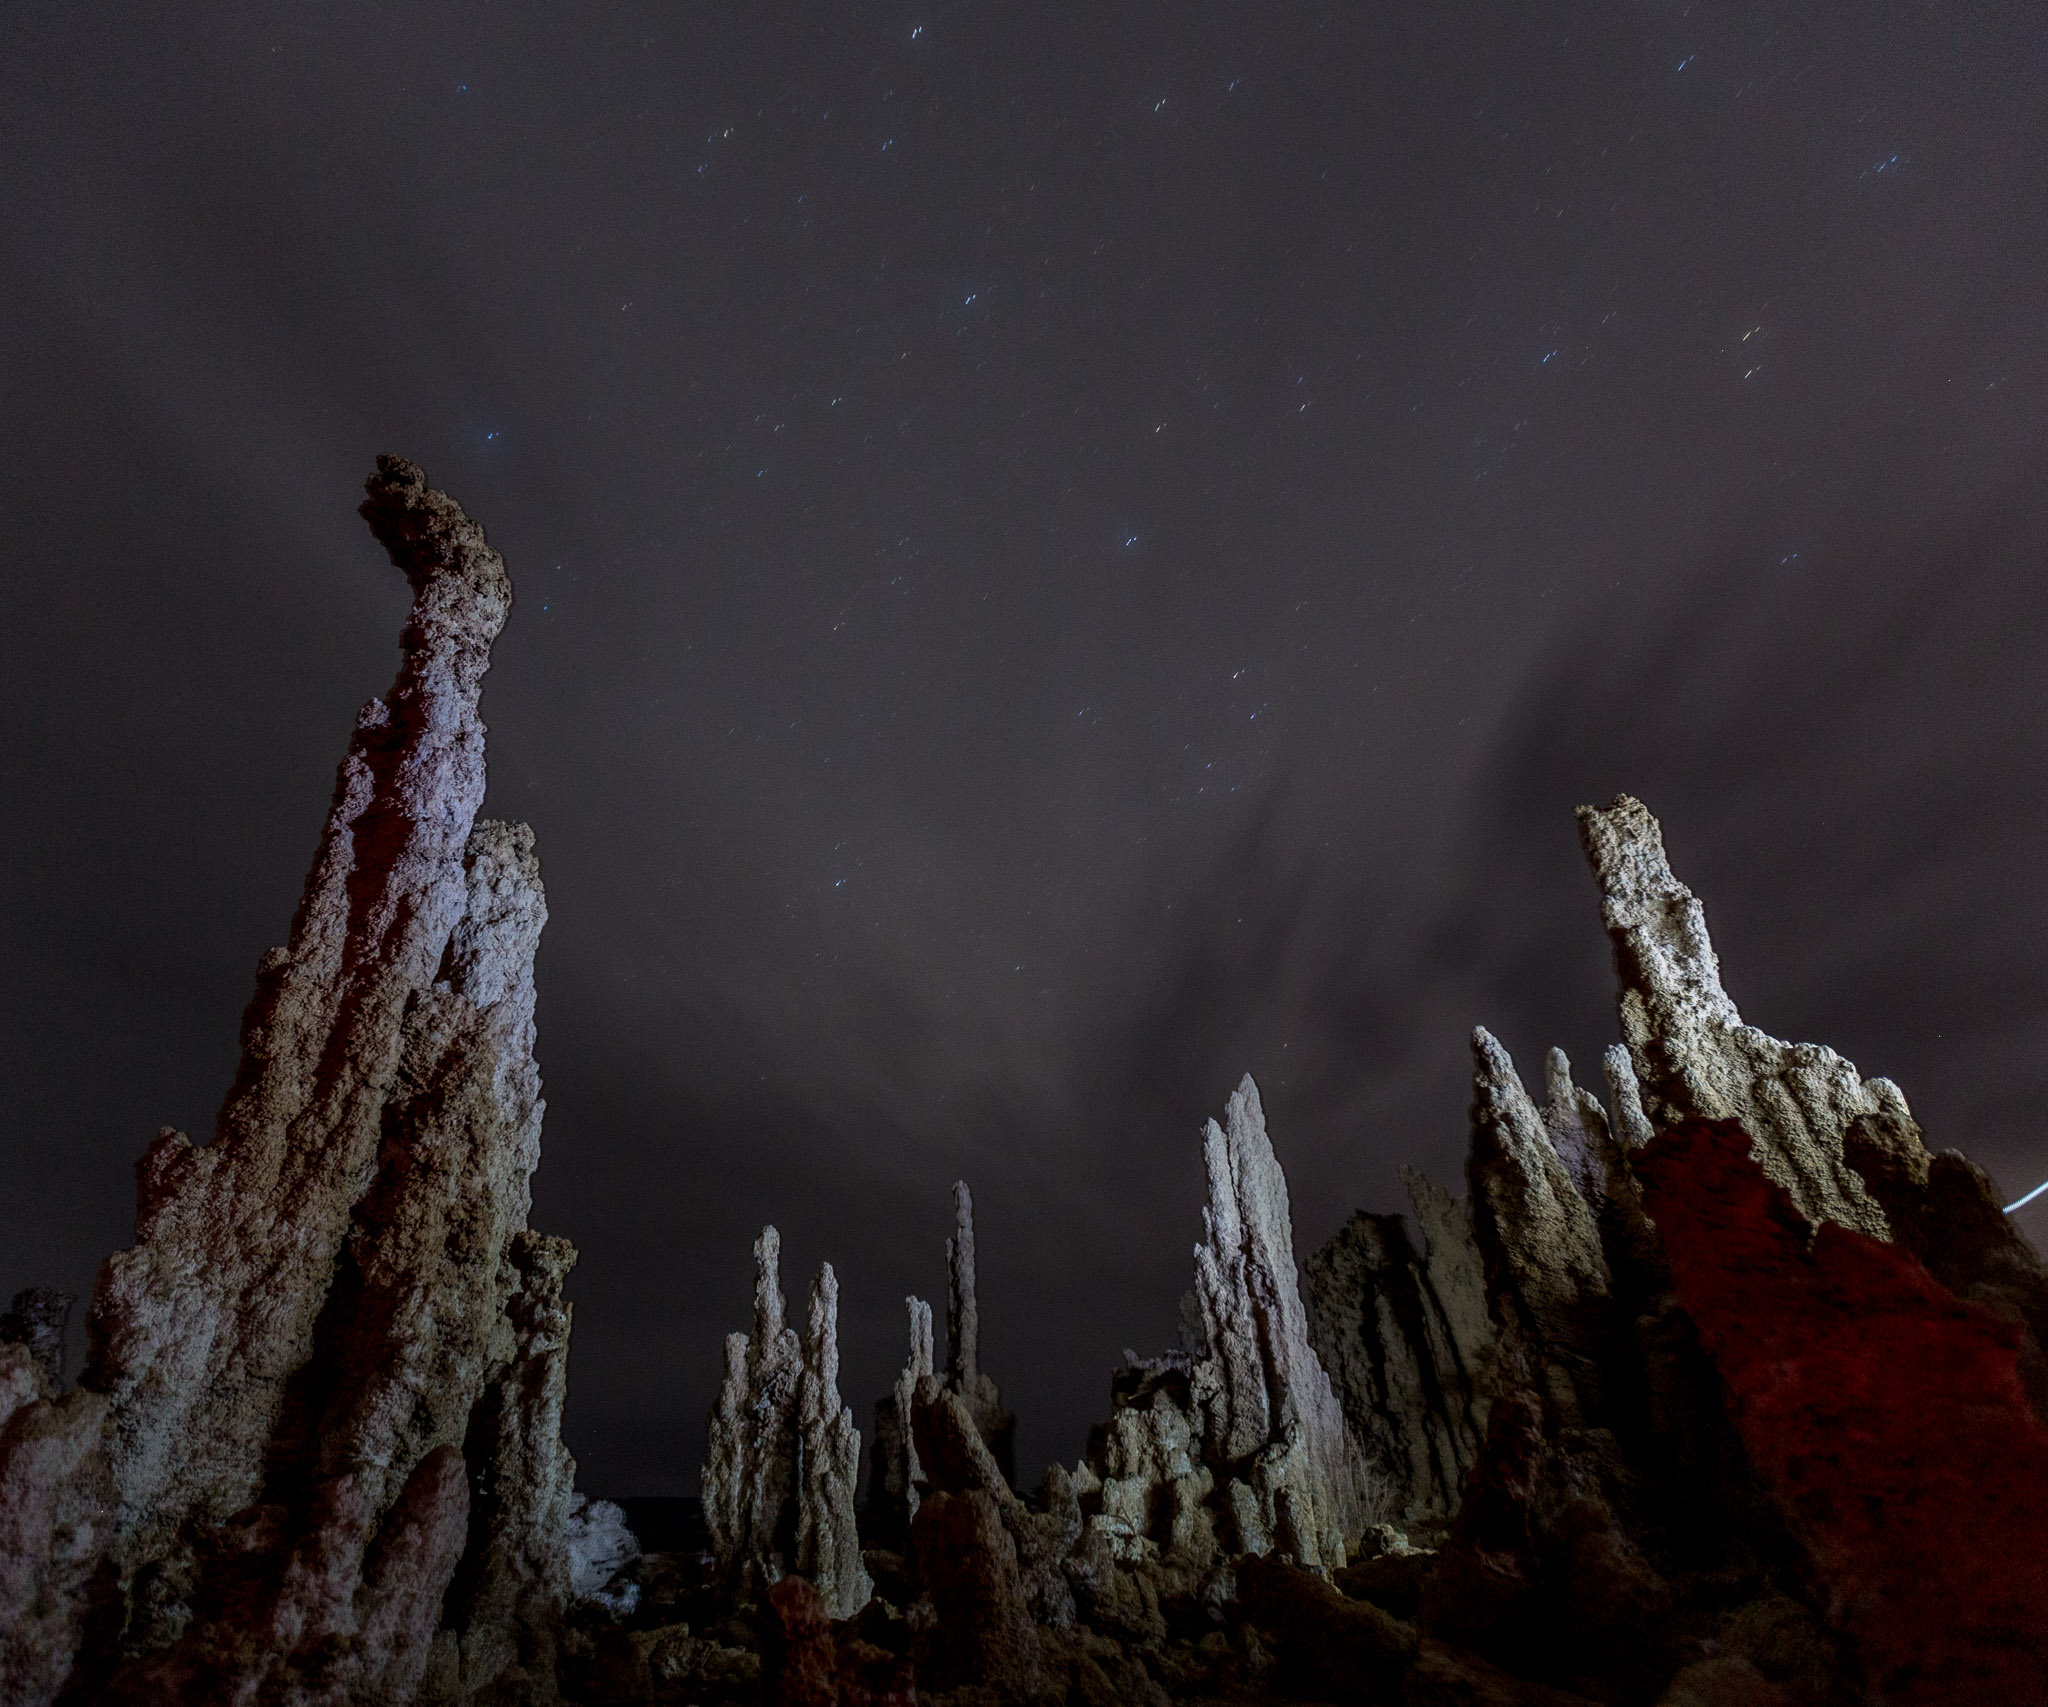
[[828, 1464], [894, 1476], [896, 1482], [1405, 1334], [1727, 1392], [1692, 1053], [1613, 1478], [334, 1324], [1547, 1275], [997, 1427], [1237, 1443], [749, 1480], [782, 1461]]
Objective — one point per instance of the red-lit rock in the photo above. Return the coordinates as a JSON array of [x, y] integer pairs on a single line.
[[1886, 1416]]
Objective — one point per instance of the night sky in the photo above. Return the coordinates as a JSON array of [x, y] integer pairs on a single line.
[[1064, 554]]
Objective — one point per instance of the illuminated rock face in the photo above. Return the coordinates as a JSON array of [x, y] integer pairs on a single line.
[[1238, 1443], [1694, 1057], [782, 1457], [1685, 1327], [1886, 1416], [893, 1481], [334, 1324], [1271, 1429], [749, 1476]]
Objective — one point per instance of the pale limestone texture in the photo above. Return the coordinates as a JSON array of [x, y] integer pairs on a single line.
[[263, 1482], [1548, 1280], [749, 1481], [895, 1484], [1237, 1445], [828, 1464], [782, 1460], [1693, 1055]]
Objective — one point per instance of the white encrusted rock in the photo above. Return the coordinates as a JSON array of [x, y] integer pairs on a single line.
[[828, 1464], [1289, 1473], [600, 1544], [783, 1457], [749, 1477], [1693, 1055], [1551, 1286], [314, 1351]]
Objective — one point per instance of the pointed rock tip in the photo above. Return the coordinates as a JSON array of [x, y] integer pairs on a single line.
[[1244, 1108], [429, 535], [1493, 1068]]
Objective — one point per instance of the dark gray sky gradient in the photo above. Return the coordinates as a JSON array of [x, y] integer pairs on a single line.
[[1063, 554]]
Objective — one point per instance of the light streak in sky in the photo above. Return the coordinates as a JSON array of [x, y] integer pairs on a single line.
[[2029, 1198]]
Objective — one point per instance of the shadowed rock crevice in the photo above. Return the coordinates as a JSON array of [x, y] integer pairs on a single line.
[[896, 1482]]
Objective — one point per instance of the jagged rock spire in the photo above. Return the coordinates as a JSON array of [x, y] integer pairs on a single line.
[[1694, 1056], [750, 1456], [828, 1464], [1272, 1430], [893, 1481], [963, 1314], [1545, 1266], [997, 1427], [191, 1347], [893, 1490], [319, 1300], [1631, 1126], [783, 1457], [1236, 1443]]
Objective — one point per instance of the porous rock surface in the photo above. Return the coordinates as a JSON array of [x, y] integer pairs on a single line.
[[320, 1402], [749, 1479], [1557, 1407], [896, 1481], [1238, 1442], [895, 1476], [1694, 1057], [782, 1457]]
